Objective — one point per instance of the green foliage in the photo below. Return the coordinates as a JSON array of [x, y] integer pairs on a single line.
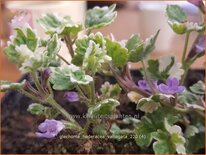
[[164, 67], [198, 88], [6, 85], [175, 13], [67, 78], [177, 20], [12, 54], [195, 143], [63, 26], [149, 124], [99, 17], [187, 97], [118, 53], [149, 105], [103, 108], [138, 49], [53, 46], [90, 52]]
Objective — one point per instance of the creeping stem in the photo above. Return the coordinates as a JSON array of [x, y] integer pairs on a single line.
[[69, 45], [64, 113]]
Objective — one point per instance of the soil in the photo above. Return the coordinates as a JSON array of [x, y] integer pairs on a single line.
[[19, 126]]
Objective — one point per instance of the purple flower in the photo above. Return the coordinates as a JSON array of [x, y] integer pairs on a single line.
[[46, 73], [171, 87], [71, 96], [145, 86], [200, 46], [20, 20], [49, 128]]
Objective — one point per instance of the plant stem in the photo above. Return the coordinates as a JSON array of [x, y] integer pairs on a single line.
[[185, 47], [93, 91], [64, 113], [63, 59], [147, 78], [69, 45], [34, 98], [36, 81]]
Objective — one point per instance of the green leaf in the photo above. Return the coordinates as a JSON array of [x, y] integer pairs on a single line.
[[82, 46], [53, 46], [176, 13], [191, 130], [52, 23], [118, 133], [153, 70], [110, 91], [148, 105], [118, 53], [61, 81], [103, 108], [68, 77], [187, 97], [198, 88], [20, 37], [135, 48], [164, 67], [99, 17], [138, 50], [36, 109], [149, 124], [12, 54], [77, 75], [133, 43], [169, 141], [31, 39], [94, 58], [163, 145], [6, 85], [195, 143], [149, 44]]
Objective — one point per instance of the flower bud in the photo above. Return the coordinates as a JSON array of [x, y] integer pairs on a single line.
[[179, 28]]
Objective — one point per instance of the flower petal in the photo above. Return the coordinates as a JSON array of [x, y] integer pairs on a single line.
[[163, 88]]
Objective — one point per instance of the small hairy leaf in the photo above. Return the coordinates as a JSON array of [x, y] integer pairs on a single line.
[[36, 109]]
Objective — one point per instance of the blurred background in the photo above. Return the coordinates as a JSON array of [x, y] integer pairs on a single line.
[[143, 17]]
